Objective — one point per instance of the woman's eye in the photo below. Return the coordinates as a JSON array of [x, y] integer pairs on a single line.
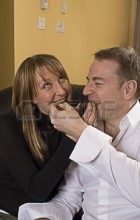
[[47, 85], [62, 79]]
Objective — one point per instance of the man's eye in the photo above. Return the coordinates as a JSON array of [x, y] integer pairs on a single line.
[[98, 83]]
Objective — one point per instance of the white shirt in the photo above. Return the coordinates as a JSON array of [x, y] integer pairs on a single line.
[[106, 181]]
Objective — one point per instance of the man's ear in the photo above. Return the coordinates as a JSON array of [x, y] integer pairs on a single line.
[[130, 89]]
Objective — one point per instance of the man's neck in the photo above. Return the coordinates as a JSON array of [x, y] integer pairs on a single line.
[[112, 128]]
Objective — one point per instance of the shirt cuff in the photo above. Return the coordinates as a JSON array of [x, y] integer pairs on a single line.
[[89, 145], [49, 210]]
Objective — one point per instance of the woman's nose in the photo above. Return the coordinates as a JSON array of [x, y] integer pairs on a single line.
[[59, 90]]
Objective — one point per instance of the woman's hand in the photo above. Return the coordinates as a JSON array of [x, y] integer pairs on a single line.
[[67, 120]]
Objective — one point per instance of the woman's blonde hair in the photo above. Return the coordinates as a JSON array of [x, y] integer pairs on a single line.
[[24, 90]]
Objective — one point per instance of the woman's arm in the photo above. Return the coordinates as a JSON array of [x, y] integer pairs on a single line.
[[36, 182]]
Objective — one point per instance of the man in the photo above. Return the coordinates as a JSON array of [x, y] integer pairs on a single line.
[[105, 180]]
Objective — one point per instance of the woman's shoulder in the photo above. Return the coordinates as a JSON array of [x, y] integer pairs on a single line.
[[9, 117], [10, 126]]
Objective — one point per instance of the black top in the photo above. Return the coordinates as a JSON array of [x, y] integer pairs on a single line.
[[22, 178]]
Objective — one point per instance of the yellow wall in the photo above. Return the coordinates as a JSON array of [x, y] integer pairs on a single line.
[[6, 42], [89, 26]]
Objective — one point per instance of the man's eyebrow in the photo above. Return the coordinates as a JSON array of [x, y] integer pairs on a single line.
[[95, 78]]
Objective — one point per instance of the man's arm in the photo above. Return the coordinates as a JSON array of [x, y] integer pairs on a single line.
[[95, 152], [64, 205]]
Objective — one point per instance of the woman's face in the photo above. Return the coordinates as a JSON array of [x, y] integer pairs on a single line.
[[51, 88]]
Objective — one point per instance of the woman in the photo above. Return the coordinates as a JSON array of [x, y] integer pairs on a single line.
[[33, 155]]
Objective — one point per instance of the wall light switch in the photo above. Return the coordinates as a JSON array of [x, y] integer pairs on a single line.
[[64, 7], [60, 26], [44, 4], [41, 23]]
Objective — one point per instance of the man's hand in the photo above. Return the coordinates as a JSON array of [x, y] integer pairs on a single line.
[[90, 114]]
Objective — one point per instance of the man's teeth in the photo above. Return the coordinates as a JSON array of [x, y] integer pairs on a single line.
[[95, 101]]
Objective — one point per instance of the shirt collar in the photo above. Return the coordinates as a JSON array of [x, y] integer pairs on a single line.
[[132, 117]]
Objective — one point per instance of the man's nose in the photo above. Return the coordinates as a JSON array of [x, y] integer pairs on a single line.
[[88, 90]]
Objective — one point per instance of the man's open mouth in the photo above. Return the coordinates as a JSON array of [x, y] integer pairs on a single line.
[[96, 102]]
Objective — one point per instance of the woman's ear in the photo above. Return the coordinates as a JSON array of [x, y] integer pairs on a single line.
[[34, 101], [130, 89]]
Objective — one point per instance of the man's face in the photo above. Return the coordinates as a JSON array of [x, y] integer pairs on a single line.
[[103, 86]]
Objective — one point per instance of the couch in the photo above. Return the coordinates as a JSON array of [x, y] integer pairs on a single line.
[[6, 95]]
